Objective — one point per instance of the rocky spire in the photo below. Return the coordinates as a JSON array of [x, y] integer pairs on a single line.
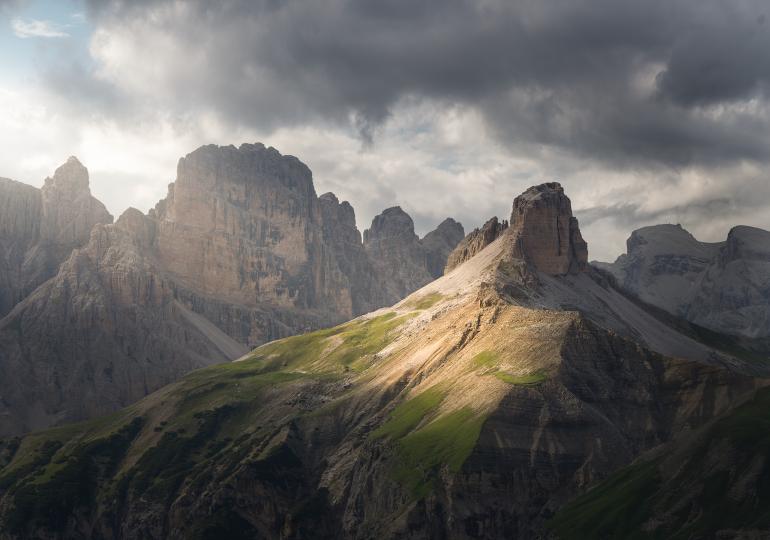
[[69, 210], [545, 233], [70, 178], [392, 223]]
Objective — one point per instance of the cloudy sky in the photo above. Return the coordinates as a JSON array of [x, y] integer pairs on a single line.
[[647, 112]]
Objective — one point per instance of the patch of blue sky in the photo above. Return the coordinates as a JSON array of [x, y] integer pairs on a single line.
[[39, 34]]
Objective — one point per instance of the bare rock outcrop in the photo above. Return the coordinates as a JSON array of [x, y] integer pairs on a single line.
[[402, 262], [545, 233], [439, 243], [39, 228], [476, 240], [344, 239]]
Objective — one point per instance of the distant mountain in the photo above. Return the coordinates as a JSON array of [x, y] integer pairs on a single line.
[[474, 408], [240, 252], [401, 261], [39, 228], [723, 286]]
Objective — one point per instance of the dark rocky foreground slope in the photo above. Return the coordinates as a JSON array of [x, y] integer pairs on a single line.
[[474, 408], [240, 252]]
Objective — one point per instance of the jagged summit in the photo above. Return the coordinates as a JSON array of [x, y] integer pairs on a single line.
[[70, 177], [545, 233], [390, 223]]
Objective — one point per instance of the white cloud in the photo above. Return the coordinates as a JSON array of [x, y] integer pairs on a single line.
[[35, 28]]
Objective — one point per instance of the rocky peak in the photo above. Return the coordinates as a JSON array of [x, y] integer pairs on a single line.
[[748, 243], [251, 177], [69, 212], [663, 239], [392, 223], [333, 209], [439, 243], [476, 240], [70, 179], [545, 233], [450, 229]]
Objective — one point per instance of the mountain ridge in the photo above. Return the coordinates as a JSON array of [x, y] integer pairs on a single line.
[[503, 380]]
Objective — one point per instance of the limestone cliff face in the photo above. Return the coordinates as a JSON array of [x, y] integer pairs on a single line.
[[245, 224], [545, 233], [39, 228], [724, 286], [476, 240]]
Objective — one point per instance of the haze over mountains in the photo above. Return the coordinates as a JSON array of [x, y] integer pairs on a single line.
[[724, 286], [483, 386], [240, 252]]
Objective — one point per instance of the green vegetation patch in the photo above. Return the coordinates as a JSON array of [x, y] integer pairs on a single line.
[[36, 461], [408, 415], [485, 360], [162, 468], [426, 301], [530, 379], [314, 352], [489, 363], [365, 338], [446, 441]]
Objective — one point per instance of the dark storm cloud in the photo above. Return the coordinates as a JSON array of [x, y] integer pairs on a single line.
[[620, 81]]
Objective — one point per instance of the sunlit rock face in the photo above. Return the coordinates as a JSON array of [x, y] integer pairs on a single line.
[[545, 233]]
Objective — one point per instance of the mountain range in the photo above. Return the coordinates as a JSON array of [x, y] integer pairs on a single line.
[[495, 385], [240, 252]]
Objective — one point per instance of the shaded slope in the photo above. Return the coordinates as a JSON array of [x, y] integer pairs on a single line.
[[709, 484]]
